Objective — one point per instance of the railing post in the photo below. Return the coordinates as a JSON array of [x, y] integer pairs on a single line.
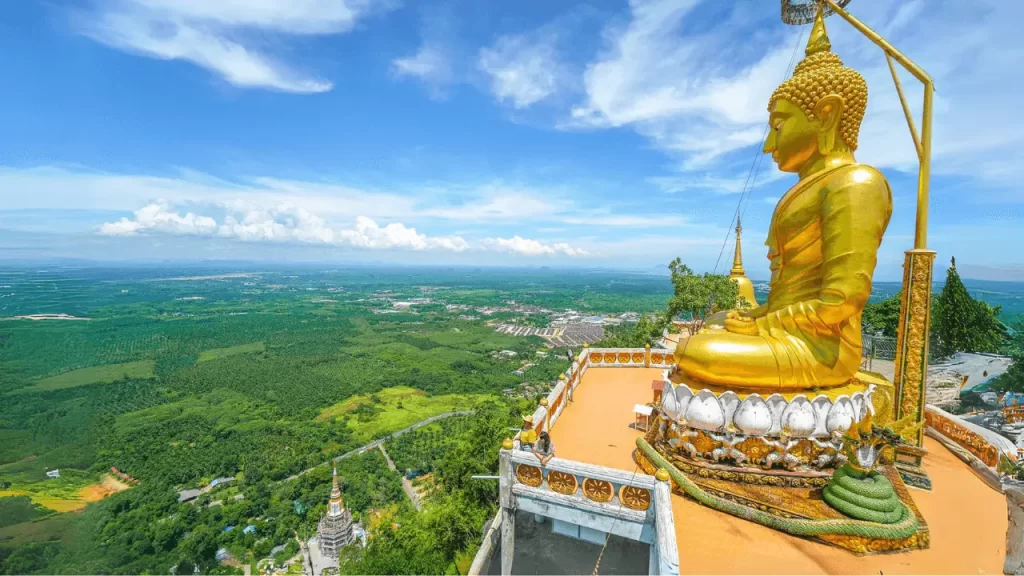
[[508, 515], [668, 549], [647, 356], [1014, 562]]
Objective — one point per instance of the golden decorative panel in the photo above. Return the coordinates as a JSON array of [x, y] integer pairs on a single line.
[[635, 498], [912, 338], [595, 357], [609, 357], [529, 475], [657, 358], [638, 357], [969, 440], [704, 443], [755, 449], [598, 490], [562, 483]]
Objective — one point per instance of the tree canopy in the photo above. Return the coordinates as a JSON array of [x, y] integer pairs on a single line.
[[962, 324], [695, 295], [1013, 379], [882, 316]]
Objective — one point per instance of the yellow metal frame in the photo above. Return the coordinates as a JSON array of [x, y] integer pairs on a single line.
[[923, 144]]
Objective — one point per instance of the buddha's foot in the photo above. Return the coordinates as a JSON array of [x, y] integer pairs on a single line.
[[864, 497]]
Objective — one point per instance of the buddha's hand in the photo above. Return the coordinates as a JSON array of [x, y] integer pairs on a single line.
[[739, 323]]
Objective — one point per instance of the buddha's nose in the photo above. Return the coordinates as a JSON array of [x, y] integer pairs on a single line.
[[769, 142]]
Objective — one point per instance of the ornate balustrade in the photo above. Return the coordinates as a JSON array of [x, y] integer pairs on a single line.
[[1013, 414], [631, 505], [979, 447], [552, 405], [627, 357]]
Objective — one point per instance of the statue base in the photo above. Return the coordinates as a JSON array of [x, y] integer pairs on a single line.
[[798, 432], [909, 464], [786, 496]]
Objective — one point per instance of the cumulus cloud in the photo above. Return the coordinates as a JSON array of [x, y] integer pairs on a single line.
[[523, 69], [159, 217], [530, 247], [222, 36], [286, 223]]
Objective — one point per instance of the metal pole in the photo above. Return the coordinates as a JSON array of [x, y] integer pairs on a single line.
[[924, 173]]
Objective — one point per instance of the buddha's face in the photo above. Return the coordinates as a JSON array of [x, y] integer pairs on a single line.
[[792, 138]]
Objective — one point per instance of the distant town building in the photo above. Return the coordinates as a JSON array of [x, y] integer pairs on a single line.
[[334, 531], [53, 474]]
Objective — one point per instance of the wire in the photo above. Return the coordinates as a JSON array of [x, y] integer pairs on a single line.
[[755, 163], [608, 535], [755, 167]]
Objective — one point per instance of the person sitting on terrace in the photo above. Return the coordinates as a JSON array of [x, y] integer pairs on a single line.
[[544, 450], [527, 436]]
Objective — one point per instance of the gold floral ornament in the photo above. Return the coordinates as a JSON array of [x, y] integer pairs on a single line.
[[598, 490], [529, 475], [635, 498], [562, 483]]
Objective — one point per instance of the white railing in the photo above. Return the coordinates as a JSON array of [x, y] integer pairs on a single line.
[[630, 505], [981, 448]]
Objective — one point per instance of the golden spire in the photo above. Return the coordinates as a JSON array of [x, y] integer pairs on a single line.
[[737, 259], [818, 40], [737, 275], [336, 490]]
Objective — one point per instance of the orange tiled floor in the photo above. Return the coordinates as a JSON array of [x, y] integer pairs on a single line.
[[967, 518]]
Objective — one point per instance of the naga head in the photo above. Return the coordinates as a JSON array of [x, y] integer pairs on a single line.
[[864, 443]]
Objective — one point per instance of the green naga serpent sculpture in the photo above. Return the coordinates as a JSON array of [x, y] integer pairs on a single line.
[[855, 490]]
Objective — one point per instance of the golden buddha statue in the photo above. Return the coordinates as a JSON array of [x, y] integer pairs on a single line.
[[822, 244]]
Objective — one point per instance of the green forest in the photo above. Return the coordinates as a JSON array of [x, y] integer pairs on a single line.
[[176, 381], [169, 378]]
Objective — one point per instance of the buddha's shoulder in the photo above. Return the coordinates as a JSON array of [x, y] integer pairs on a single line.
[[862, 175]]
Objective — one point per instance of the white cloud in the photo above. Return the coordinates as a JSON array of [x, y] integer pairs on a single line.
[[159, 217], [222, 35], [530, 247], [286, 223], [433, 61], [699, 94], [524, 69], [429, 63]]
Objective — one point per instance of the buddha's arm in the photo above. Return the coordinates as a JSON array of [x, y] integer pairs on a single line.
[[854, 216], [758, 312]]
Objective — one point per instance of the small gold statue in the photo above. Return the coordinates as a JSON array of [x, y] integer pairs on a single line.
[[822, 244]]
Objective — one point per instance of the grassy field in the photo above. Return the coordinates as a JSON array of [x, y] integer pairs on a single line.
[[93, 375], [215, 353], [390, 410], [72, 491]]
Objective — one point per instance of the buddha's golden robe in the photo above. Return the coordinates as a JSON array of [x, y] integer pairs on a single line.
[[823, 246]]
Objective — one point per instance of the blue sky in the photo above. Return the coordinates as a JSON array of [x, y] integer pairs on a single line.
[[537, 133]]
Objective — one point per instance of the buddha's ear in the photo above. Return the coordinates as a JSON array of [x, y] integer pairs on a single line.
[[828, 111]]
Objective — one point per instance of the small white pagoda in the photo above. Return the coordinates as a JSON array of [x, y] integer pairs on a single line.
[[334, 531]]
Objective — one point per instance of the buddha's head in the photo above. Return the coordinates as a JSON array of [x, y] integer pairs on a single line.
[[819, 110]]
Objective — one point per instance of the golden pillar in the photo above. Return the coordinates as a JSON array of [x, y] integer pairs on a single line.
[[912, 359], [911, 368]]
